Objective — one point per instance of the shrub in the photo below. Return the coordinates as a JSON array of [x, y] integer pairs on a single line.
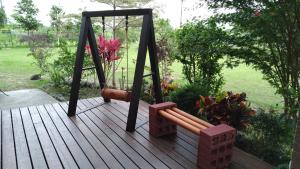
[[186, 96], [200, 51], [227, 108], [40, 55], [269, 137], [63, 66]]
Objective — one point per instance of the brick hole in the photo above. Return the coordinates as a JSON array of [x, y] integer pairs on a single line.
[[160, 120], [223, 138], [222, 149], [228, 158], [221, 160], [213, 163], [215, 140], [230, 136], [214, 152], [229, 146]]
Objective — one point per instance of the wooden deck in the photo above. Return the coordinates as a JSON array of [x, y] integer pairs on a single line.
[[45, 137]]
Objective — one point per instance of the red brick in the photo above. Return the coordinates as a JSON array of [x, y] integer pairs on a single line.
[[216, 145], [158, 125]]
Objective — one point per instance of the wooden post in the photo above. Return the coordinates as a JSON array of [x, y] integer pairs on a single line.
[[78, 67], [138, 76]]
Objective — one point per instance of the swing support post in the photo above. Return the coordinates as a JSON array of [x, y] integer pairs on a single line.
[[147, 42]]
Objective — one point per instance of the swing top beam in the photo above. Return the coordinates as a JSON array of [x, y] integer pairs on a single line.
[[123, 12]]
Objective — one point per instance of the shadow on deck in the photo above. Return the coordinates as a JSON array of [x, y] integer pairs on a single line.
[[45, 137]]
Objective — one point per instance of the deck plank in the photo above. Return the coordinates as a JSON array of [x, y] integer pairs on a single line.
[[105, 138], [9, 160], [84, 143], [63, 151], [110, 160], [77, 153], [36, 151], [53, 160], [22, 152]]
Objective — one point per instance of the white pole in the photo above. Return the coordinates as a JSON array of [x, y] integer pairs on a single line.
[[181, 12]]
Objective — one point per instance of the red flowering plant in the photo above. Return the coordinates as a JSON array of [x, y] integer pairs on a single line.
[[226, 108], [107, 50]]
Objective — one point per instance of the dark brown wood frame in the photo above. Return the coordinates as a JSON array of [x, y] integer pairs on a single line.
[[147, 41]]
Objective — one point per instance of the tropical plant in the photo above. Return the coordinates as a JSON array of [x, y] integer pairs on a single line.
[[167, 86], [226, 108], [25, 14], [108, 52]]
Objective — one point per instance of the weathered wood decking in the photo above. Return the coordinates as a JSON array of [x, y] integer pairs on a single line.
[[45, 137]]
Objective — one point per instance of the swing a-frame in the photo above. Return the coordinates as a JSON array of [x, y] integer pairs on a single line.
[[147, 42]]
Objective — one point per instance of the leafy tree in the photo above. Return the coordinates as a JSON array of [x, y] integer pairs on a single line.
[[200, 51], [266, 34], [56, 15], [25, 14], [2, 17], [165, 44]]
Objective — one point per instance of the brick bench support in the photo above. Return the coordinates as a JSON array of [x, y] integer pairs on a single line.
[[215, 144]]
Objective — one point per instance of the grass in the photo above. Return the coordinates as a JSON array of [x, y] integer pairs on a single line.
[[16, 68]]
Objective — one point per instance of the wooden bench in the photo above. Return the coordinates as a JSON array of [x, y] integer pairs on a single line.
[[215, 145]]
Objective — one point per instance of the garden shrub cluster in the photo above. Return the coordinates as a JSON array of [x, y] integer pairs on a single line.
[[186, 96], [269, 137]]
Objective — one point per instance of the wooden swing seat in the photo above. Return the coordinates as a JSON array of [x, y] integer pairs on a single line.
[[108, 93]]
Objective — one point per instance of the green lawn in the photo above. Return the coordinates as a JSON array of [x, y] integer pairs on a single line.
[[16, 68]]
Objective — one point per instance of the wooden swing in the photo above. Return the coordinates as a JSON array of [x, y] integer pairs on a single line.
[[146, 43], [118, 94]]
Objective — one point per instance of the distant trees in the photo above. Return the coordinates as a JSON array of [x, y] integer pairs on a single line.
[[56, 16], [2, 17], [25, 14]]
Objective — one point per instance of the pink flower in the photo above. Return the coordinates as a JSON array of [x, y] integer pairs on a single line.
[[113, 45], [88, 49], [102, 44], [107, 49]]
